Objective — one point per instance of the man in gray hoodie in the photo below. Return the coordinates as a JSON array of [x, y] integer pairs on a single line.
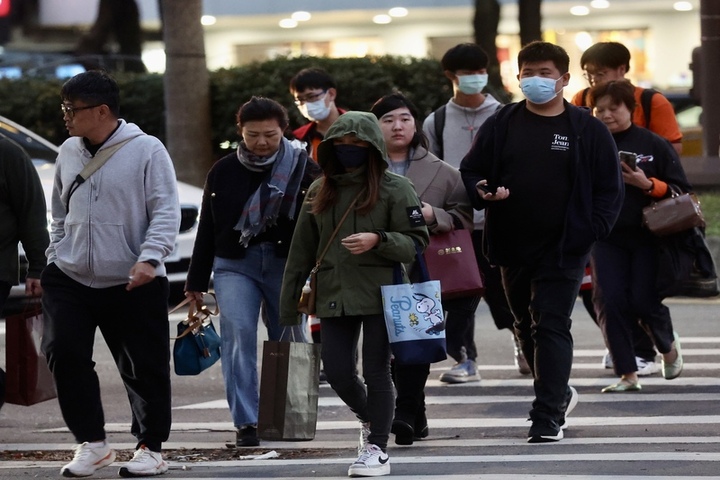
[[450, 131], [109, 237]]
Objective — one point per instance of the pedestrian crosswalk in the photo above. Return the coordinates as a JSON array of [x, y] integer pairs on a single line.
[[670, 430]]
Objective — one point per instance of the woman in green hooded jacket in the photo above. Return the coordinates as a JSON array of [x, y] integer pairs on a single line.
[[381, 230]]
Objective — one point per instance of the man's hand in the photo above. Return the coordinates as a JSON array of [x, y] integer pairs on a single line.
[[501, 193], [140, 274], [358, 243], [32, 287]]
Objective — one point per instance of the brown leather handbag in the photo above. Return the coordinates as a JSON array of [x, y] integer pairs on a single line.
[[676, 214]]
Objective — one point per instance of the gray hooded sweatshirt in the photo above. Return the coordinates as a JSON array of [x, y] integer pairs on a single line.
[[128, 211]]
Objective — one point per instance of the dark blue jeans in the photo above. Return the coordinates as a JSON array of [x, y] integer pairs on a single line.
[[542, 298], [625, 292], [372, 401], [134, 325]]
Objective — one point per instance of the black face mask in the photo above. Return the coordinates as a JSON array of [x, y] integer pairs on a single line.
[[351, 156]]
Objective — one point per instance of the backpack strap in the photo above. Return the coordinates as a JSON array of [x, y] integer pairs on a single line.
[[439, 129], [646, 104]]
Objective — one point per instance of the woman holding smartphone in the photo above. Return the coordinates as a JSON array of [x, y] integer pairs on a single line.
[[625, 263]]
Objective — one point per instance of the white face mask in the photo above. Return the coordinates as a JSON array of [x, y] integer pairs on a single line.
[[315, 111], [472, 84]]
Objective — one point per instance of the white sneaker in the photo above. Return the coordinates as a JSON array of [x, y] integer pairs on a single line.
[[645, 367], [364, 434], [371, 463], [571, 402], [144, 463], [461, 373], [88, 458], [607, 361]]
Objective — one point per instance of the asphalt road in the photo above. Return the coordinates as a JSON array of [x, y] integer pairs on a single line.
[[477, 430]]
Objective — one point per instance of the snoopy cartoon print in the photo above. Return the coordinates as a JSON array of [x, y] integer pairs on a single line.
[[426, 306]]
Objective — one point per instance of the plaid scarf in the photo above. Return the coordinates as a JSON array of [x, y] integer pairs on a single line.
[[275, 196]]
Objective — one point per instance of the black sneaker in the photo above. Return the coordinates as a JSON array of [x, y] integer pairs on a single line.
[[247, 437], [571, 401], [544, 430]]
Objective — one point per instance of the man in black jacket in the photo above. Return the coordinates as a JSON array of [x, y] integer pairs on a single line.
[[23, 218], [562, 167]]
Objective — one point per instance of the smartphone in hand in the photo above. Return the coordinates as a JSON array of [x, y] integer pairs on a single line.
[[629, 159], [485, 189]]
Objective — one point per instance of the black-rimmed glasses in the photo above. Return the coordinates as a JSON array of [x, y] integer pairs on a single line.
[[69, 110], [310, 98]]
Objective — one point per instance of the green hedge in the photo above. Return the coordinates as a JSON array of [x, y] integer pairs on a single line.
[[35, 102]]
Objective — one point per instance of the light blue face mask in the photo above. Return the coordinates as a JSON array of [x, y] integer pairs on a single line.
[[539, 90], [472, 84]]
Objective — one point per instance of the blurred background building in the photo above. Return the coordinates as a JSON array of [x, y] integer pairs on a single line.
[[660, 33]]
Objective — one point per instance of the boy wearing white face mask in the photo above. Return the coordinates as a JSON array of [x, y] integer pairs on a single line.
[[567, 190], [450, 131], [314, 91]]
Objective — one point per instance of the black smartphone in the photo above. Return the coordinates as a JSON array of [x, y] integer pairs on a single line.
[[629, 159], [486, 189]]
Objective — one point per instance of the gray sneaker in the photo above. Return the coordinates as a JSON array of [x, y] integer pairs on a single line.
[[461, 373]]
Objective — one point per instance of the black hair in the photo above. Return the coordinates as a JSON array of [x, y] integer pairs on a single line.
[[94, 87], [261, 108], [619, 91], [396, 100], [311, 78], [538, 51], [465, 56], [606, 55]]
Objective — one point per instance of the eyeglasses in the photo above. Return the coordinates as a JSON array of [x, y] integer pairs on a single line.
[[594, 76], [312, 97], [69, 110]]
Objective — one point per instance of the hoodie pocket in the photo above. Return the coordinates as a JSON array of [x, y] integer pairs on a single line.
[[110, 253]]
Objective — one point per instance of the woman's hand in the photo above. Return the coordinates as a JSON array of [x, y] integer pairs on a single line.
[[358, 243], [197, 296], [636, 177], [428, 213]]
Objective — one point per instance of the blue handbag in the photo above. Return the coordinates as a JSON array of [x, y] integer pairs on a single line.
[[414, 317], [197, 345]]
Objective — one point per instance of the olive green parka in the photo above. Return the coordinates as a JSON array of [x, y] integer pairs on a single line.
[[349, 284]]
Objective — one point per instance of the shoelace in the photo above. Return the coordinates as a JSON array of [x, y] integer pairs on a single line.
[[364, 434], [367, 454], [140, 453], [83, 451]]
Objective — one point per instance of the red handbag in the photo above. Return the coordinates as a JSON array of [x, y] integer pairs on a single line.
[[29, 380], [450, 258]]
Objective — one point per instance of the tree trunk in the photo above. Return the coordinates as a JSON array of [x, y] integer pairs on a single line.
[[485, 24], [121, 18], [530, 21], [187, 91]]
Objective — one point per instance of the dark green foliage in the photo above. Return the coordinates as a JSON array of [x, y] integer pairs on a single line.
[[34, 102]]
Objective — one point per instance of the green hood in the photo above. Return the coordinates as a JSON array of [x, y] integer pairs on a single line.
[[364, 125]]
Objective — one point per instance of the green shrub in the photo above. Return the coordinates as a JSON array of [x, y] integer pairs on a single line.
[[34, 102]]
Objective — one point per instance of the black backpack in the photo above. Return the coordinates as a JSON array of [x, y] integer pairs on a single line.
[[645, 103]]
